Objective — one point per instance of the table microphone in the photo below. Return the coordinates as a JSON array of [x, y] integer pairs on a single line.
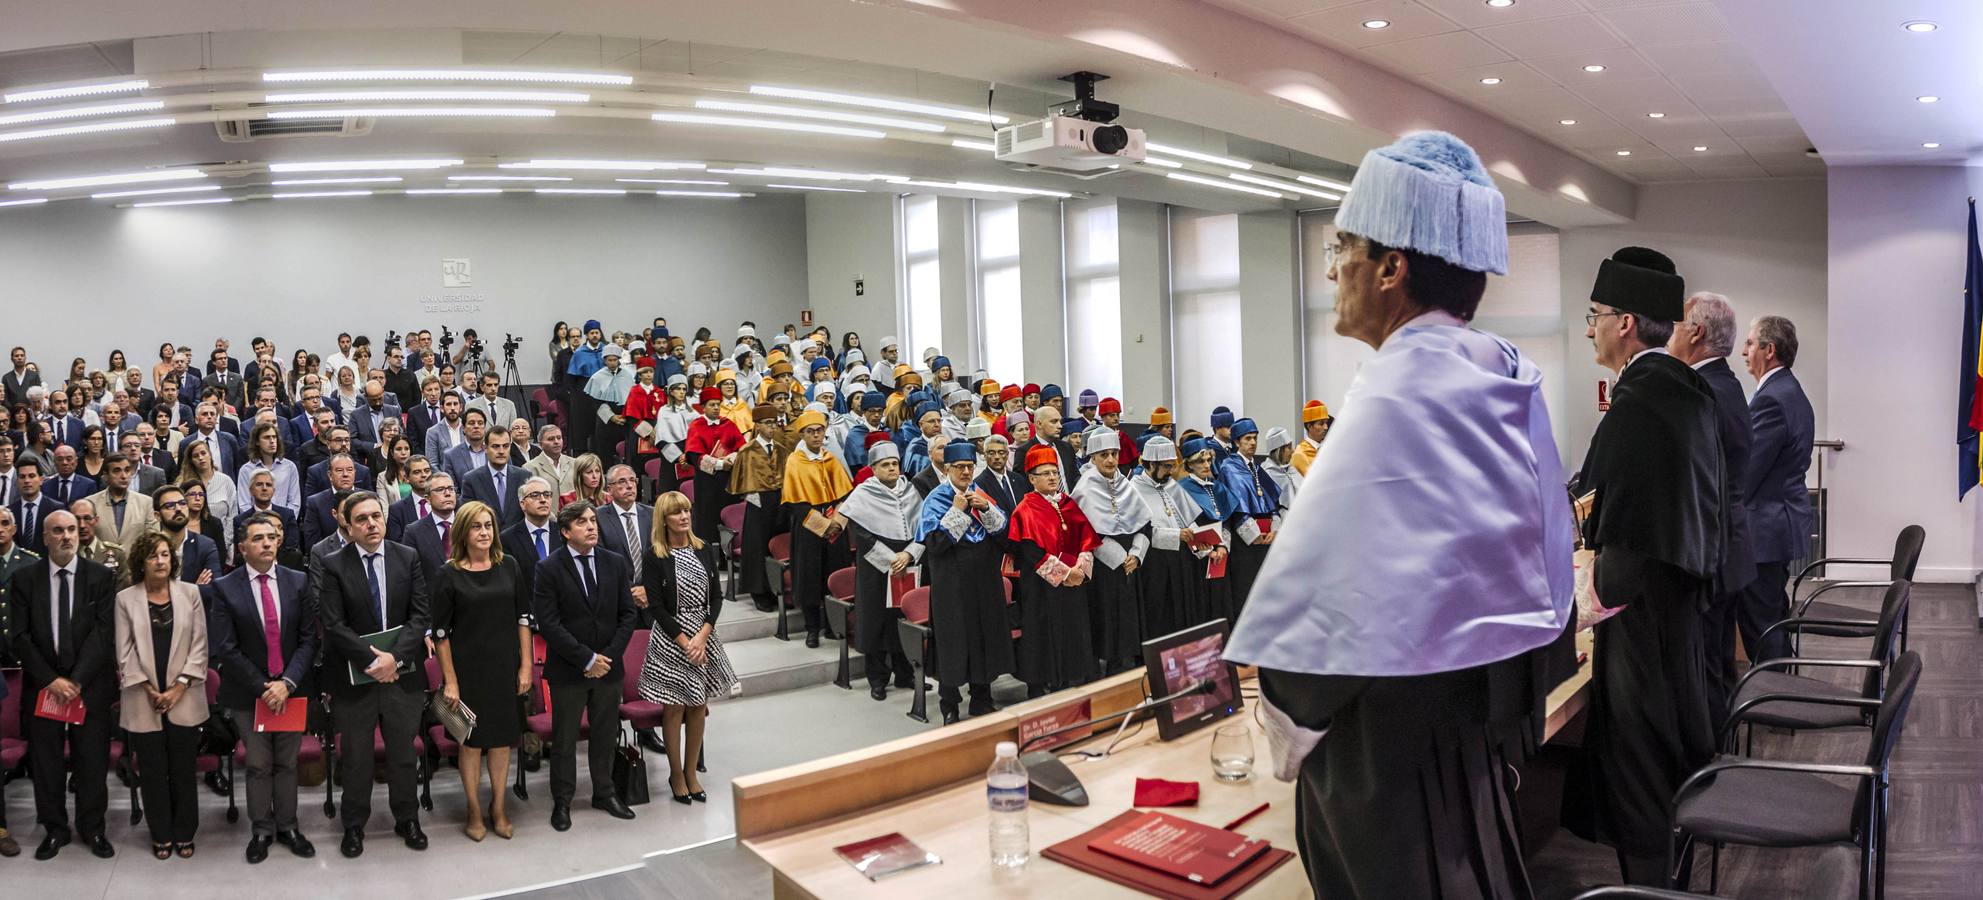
[[1049, 780]]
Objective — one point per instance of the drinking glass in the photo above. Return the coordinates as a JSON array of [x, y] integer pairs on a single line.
[[1232, 753]]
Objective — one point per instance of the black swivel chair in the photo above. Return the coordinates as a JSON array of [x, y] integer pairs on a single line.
[[1771, 694], [1906, 554], [1774, 803]]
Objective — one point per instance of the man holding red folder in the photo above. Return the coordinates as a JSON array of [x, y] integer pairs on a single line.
[[262, 635], [63, 636]]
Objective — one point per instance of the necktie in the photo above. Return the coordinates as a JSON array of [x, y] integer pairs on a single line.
[[497, 476], [423, 509], [28, 511], [444, 534], [587, 578], [433, 415], [62, 612], [6, 487], [633, 543], [543, 549], [271, 628], [372, 580]]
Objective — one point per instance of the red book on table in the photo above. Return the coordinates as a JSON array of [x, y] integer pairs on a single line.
[[1180, 847], [293, 717], [1074, 852]]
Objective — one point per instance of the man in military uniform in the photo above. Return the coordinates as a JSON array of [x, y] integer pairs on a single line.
[[95, 548]]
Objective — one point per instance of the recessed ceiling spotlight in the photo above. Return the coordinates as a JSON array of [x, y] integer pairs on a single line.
[[1375, 24], [1490, 81], [1655, 115], [1566, 121], [1931, 145], [1593, 68], [1624, 153], [1500, 4], [1700, 149], [1920, 26], [1928, 98]]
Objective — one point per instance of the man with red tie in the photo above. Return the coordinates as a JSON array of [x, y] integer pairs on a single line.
[[262, 635]]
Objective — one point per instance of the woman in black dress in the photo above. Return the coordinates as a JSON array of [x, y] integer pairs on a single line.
[[482, 629], [685, 666]]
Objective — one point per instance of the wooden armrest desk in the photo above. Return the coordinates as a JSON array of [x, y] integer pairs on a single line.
[[930, 787]]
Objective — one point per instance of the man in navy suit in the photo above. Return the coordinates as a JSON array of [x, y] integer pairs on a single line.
[[19, 378], [65, 427], [374, 585], [536, 535], [262, 636], [496, 483], [319, 513], [226, 379], [582, 596], [31, 507], [168, 395], [366, 420], [413, 507], [425, 413], [65, 485], [336, 442], [1703, 340], [260, 498], [1779, 504], [473, 451], [63, 610], [432, 536], [1005, 486], [223, 446], [199, 555]]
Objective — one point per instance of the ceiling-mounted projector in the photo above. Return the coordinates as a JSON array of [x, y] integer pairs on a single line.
[[1078, 135]]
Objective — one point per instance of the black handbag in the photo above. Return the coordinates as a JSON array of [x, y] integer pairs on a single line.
[[629, 770]]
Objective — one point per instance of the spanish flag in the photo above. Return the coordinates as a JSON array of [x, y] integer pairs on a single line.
[[1969, 410]]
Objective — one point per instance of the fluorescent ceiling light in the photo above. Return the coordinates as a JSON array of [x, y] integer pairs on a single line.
[[616, 192], [1500, 4], [1283, 186], [724, 194], [375, 179], [32, 201], [81, 90], [1932, 145], [75, 112], [1323, 182], [448, 75], [928, 109], [1700, 149], [1223, 185], [92, 128], [300, 195], [986, 146], [362, 165], [1375, 24], [1490, 81], [1655, 115], [1166, 163], [817, 187], [1624, 153], [987, 188], [408, 112], [509, 178], [668, 181], [1566, 121], [809, 174], [769, 124], [450, 192], [772, 109], [1201, 157], [1593, 68], [198, 188], [56, 184], [1920, 26], [413, 94], [1928, 99], [604, 165], [204, 201]]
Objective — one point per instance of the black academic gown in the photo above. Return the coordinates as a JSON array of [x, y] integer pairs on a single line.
[[1656, 524], [967, 609], [1115, 608], [875, 634]]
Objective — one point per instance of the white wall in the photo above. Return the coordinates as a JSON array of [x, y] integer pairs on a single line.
[[1761, 243], [1895, 316], [82, 279], [849, 237]]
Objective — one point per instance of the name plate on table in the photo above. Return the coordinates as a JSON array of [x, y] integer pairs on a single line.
[[1059, 717]]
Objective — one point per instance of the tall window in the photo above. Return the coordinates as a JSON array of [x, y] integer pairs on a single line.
[[1208, 365], [999, 320], [1094, 300], [922, 274]]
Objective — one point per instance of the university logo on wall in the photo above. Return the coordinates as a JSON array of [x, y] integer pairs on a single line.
[[455, 274]]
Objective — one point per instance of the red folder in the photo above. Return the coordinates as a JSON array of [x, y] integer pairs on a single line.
[[1216, 567], [1074, 852], [293, 717], [47, 707], [1207, 536], [900, 585], [1180, 847]]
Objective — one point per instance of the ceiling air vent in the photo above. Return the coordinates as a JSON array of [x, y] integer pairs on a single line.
[[235, 131]]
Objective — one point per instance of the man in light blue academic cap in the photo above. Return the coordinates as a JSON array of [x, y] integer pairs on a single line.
[[1418, 588]]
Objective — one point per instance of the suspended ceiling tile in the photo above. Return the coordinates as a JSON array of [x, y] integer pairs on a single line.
[[1719, 57], [1344, 25], [1284, 9], [1620, 64], [1691, 23], [1712, 86], [1477, 14], [1553, 36], [1436, 53], [1465, 82], [1746, 169]]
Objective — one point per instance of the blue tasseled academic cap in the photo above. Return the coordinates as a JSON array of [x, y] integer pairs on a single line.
[[874, 400], [1429, 192], [1221, 417]]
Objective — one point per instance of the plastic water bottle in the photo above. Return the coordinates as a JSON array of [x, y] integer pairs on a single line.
[[1005, 788]]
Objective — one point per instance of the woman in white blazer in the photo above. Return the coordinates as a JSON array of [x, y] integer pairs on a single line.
[[162, 666]]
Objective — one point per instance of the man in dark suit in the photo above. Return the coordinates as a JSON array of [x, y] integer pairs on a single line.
[[228, 380], [1779, 504], [413, 507], [260, 498], [431, 535], [373, 585], [473, 451], [65, 485], [583, 598], [65, 426], [319, 513], [1046, 430], [219, 361], [168, 394], [316, 443], [139, 396], [31, 507], [153, 451], [64, 637], [537, 535], [400, 380], [626, 525], [1005, 487], [336, 441], [224, 446], [262, 636], [366, 420], [19, 378], [145, 477], [424, 413], [199, 555], [1703, 340], [496, 482]]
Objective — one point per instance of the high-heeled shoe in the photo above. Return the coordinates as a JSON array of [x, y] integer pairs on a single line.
[[699, 797], [683, 799], [502, 828]]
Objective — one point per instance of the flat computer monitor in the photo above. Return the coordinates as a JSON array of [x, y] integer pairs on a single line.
[[1179, 660]]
